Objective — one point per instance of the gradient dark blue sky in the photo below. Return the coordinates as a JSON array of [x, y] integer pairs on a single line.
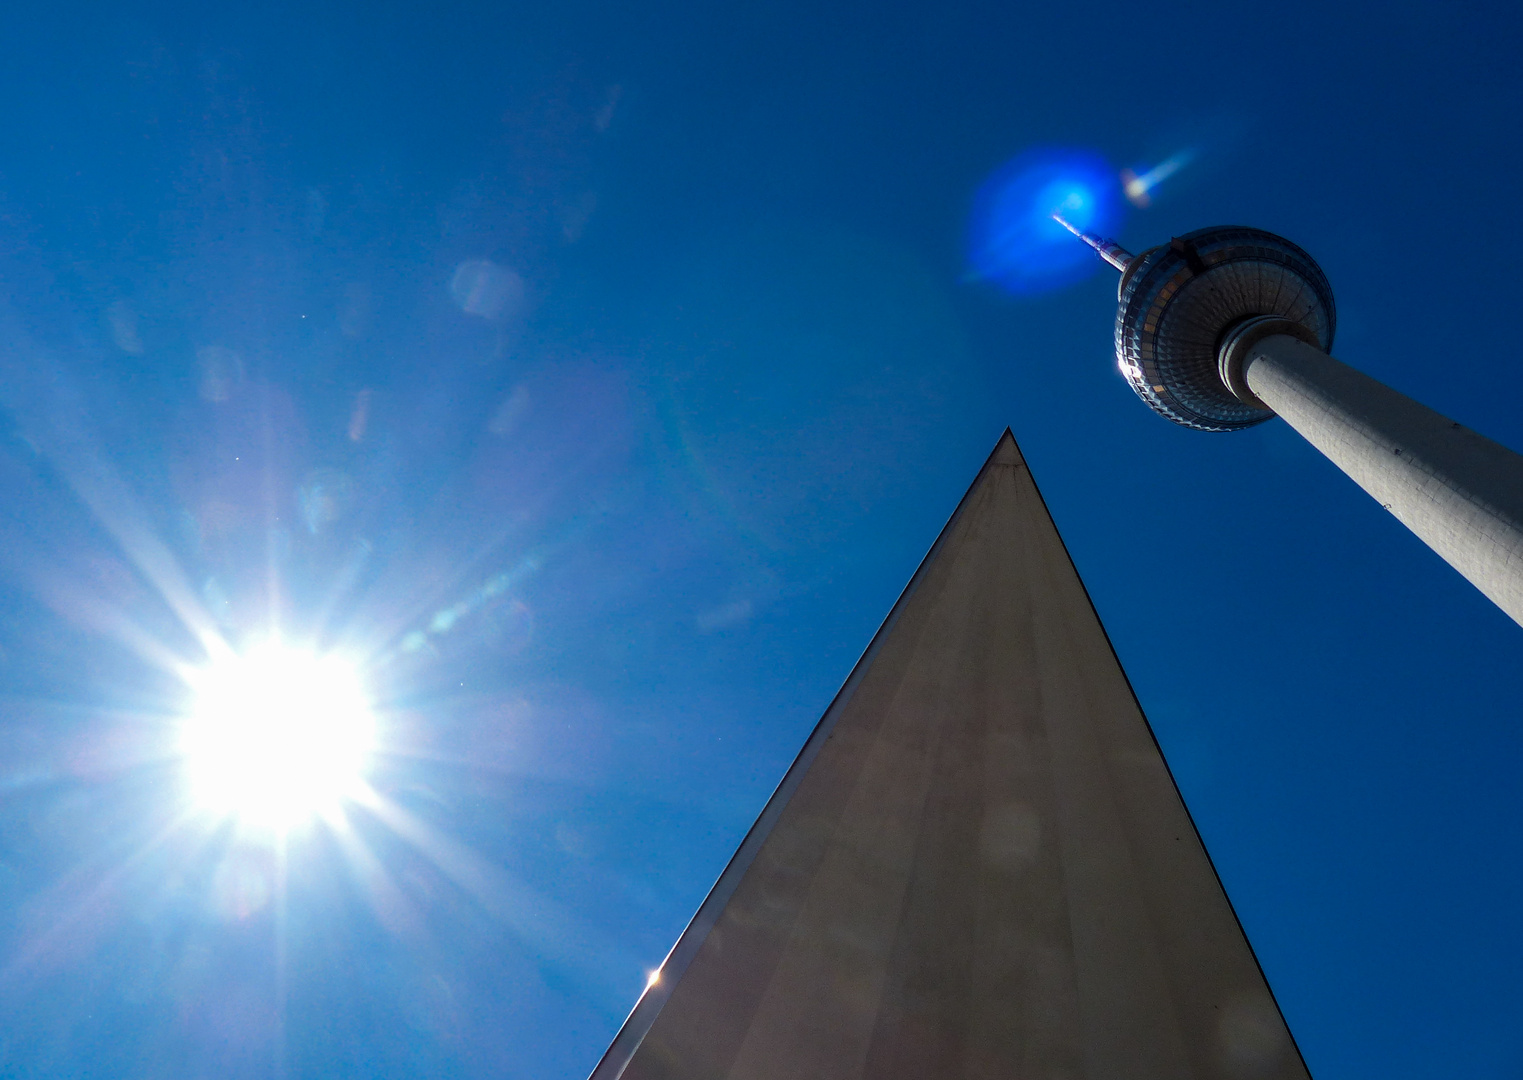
[[611, 540]]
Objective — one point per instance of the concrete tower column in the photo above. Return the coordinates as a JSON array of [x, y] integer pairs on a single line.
[[1461, 493]]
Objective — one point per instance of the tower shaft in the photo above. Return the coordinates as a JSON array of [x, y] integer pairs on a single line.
[[1460, 492]]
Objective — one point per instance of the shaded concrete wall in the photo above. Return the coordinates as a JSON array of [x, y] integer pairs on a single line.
[[979, 867], [1457, 490]]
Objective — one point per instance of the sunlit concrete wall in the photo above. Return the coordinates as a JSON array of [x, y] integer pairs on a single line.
[[979, 866]]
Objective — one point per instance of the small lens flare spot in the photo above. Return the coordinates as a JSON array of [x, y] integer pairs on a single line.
[[1014, 241], [652, 978], [480, 287], [1139, 186], [277, 736]]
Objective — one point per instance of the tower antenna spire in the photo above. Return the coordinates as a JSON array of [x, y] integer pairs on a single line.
[[1105, 247]]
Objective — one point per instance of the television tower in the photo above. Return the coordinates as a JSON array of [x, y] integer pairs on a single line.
[[979, 865], [1226, 327]]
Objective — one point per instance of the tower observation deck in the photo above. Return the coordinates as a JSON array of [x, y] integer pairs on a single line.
[[1227, 327]]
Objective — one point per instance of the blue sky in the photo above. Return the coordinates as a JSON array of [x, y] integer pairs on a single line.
[[596, 375]]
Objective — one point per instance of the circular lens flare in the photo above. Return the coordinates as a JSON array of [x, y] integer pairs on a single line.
[[1014, 240], [276, 736]]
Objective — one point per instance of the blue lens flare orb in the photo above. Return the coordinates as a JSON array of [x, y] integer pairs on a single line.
[[1014, 241]]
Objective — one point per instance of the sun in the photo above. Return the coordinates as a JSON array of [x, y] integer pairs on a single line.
[[276, 736]]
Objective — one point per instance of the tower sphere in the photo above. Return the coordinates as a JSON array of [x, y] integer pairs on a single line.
[[1180, 300]]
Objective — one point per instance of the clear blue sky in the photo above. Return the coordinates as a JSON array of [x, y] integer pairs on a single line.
[[599, 373]]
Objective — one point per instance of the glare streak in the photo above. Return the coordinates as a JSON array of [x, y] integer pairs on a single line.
[[517, 906], [1139, 188]]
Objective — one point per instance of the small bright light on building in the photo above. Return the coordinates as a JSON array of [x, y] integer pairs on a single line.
[[276, 736], [653, 978]]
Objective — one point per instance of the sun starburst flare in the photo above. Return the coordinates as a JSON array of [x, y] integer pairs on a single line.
[[276, 736]]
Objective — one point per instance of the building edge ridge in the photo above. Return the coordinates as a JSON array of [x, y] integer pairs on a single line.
[[642, 1017]]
